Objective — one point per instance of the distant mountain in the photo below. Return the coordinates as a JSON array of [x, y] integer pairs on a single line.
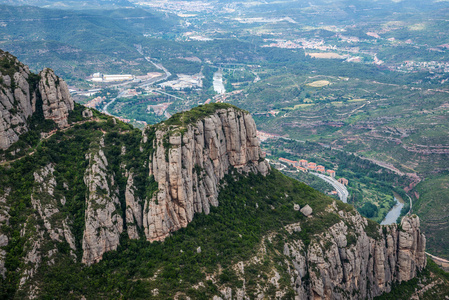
[[71, 4], [79, 43]]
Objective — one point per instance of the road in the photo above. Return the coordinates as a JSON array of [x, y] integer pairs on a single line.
[[340, 188], [410, 211], [160, 67], [438, 258], [105, 108], [142, 84]]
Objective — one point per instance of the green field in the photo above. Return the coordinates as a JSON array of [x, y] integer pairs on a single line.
[[430, 202]]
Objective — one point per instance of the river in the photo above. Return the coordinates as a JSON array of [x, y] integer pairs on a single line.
[[218, 82], [395, 212]]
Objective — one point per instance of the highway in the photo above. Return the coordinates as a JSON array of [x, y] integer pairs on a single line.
[[142, 84], [340, 188]]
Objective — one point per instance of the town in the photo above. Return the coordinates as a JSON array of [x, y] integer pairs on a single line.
[[303, 165]]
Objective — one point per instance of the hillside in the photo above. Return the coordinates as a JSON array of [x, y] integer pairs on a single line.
[[77, 44], [430, 201], [187, 208]]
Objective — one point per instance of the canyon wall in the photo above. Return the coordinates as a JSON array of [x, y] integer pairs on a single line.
[[189, 163], [22, 94]]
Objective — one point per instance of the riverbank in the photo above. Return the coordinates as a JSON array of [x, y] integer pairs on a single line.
[[395, 211]]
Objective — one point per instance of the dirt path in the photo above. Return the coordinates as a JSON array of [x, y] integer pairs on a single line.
[[51, 133]]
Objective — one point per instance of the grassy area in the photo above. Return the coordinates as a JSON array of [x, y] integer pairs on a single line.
[[431, 203], [197, 113]]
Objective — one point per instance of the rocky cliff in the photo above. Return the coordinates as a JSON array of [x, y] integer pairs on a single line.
[[347, 263], [56, 99], [342, 263], [23, 94], [104, 224], [189, 163]]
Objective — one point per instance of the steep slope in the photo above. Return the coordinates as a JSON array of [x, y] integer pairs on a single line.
[[430, 201], [190, 161]]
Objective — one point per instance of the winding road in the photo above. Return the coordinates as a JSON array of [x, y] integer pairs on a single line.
[[342, 191]]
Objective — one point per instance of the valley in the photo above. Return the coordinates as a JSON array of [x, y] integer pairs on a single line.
[[356, 87]]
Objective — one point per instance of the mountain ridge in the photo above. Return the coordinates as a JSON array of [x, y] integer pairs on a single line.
[[24, 94]]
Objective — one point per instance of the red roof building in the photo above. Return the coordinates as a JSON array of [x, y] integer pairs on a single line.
[[320, 169], [290, 162], [343, 181], [331, 173]]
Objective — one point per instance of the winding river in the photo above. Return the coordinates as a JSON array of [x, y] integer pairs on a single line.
[[395, 212]]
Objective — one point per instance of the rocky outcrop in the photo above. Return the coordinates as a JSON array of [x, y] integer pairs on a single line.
[[354, 259], [22, 94], [47, 202], [4, 221], [17, 103], [103, 221], [189, 163], [346, 263], [133, 209], [56, 99]]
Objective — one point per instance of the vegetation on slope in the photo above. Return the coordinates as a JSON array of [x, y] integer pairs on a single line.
[[232, 232], [430, 203], [197, 113], [66, 151], [251, 208], [370, 187]]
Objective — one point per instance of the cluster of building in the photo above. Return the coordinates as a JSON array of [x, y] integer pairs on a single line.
[[130, 93], [197, 37], [184, 81], [99, 77], [305, 166], [95, 102], [264, 20], [179, 6], [434, 66], [263, 136], [124, 120], [317, 44]]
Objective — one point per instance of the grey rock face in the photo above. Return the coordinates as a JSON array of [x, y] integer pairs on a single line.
[[362, 269], [56, 99], [16, 102], [104, 224], [46, 203], [18, 98], [4, 220], [133, 209], [189, 167]]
